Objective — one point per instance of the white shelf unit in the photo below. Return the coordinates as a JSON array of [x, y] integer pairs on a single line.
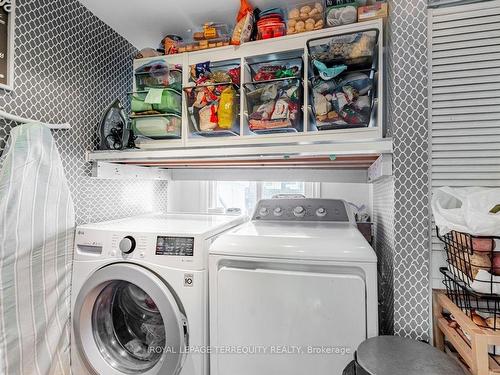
[[270, 48], [355, 161]]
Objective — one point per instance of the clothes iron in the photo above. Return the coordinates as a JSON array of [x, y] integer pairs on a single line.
[[113, 133]]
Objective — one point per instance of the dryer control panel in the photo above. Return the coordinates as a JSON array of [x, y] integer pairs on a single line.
[[307, 209]]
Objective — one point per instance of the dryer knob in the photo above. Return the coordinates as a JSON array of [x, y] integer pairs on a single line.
[[299, 211], [321, 212], [278, 211], [127, 245], [263, 211]]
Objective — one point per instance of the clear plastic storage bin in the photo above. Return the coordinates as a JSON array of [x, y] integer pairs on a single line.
[[274, 106], [166, 126], [213, 109], [357, 50], [171, 102], [157, 74], [276, 69], [305, 16], [343, 80]]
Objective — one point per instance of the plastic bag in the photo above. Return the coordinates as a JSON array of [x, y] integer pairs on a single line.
[[469, 210], [171, 101], [226, 110], [208, 117], [244, 24]]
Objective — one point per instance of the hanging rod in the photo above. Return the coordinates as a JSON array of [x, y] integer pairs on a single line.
[[15, 118]]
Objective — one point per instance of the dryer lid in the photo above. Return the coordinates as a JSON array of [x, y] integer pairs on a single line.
[[296, 240]]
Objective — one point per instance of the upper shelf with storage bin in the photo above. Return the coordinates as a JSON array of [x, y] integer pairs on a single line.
[[156, 102], [343, 84], [273, 94], [213, 99], [323, 85]]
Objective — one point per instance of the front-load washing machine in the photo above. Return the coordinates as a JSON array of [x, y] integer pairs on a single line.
[[140, 294], [292, 292]]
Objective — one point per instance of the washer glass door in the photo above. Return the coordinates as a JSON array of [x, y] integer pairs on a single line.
[[128, 321], [128, 328]]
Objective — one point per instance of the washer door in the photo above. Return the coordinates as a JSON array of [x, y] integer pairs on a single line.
[[126, 321]]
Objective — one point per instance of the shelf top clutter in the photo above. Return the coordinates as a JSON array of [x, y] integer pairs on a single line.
[[262, 47]]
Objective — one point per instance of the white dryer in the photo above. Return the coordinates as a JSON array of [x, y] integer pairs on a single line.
[[140, 294], [292, 292]]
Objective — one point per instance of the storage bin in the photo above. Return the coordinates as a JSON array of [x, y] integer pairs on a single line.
[[341, 12], [172, 79], [274, 106], [171, 102], [305, 16], [213, 109], [218, 72], [156, 74], [212, 30], [196, 45], [343, 84], [346, 102], [271, 23], [482, 309], [373, 12], [473, 260], [357, 50], [137, 103], [275, 69], [270, 30], [157, 126]]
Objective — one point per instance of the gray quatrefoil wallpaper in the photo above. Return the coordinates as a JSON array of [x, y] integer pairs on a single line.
[[69, 66]]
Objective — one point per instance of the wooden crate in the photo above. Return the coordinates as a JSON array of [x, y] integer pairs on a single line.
[[474, 351]]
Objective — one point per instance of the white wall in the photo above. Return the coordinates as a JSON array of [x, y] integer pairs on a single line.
[[358, 194], [192, 196], [187, 196]]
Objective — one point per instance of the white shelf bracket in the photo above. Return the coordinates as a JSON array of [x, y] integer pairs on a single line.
[[382, 167], [113, 171]]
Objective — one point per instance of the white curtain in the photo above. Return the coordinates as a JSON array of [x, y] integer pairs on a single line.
[[36, 236]]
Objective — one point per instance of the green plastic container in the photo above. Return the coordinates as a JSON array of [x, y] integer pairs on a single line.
[[171, 102], [138, 104], [157, 127]]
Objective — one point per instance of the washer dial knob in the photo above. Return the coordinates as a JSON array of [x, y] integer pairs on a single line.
[[299, 211], [321, 212], [127, 245], [263, 211]]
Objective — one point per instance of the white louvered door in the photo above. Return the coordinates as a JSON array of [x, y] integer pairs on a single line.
[[464, 101]]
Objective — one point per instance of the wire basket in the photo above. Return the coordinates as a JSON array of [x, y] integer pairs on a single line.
[[473, 261], [282, 89], [214, 91], [274, 68], [482, 309]]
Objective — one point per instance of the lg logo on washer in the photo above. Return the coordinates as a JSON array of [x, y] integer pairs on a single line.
[[188, 280]]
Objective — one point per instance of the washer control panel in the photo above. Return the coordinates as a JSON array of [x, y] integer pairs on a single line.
[[175, 246], [335, 210]]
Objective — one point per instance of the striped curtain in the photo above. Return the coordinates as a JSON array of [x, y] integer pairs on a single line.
[[36, 236]]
